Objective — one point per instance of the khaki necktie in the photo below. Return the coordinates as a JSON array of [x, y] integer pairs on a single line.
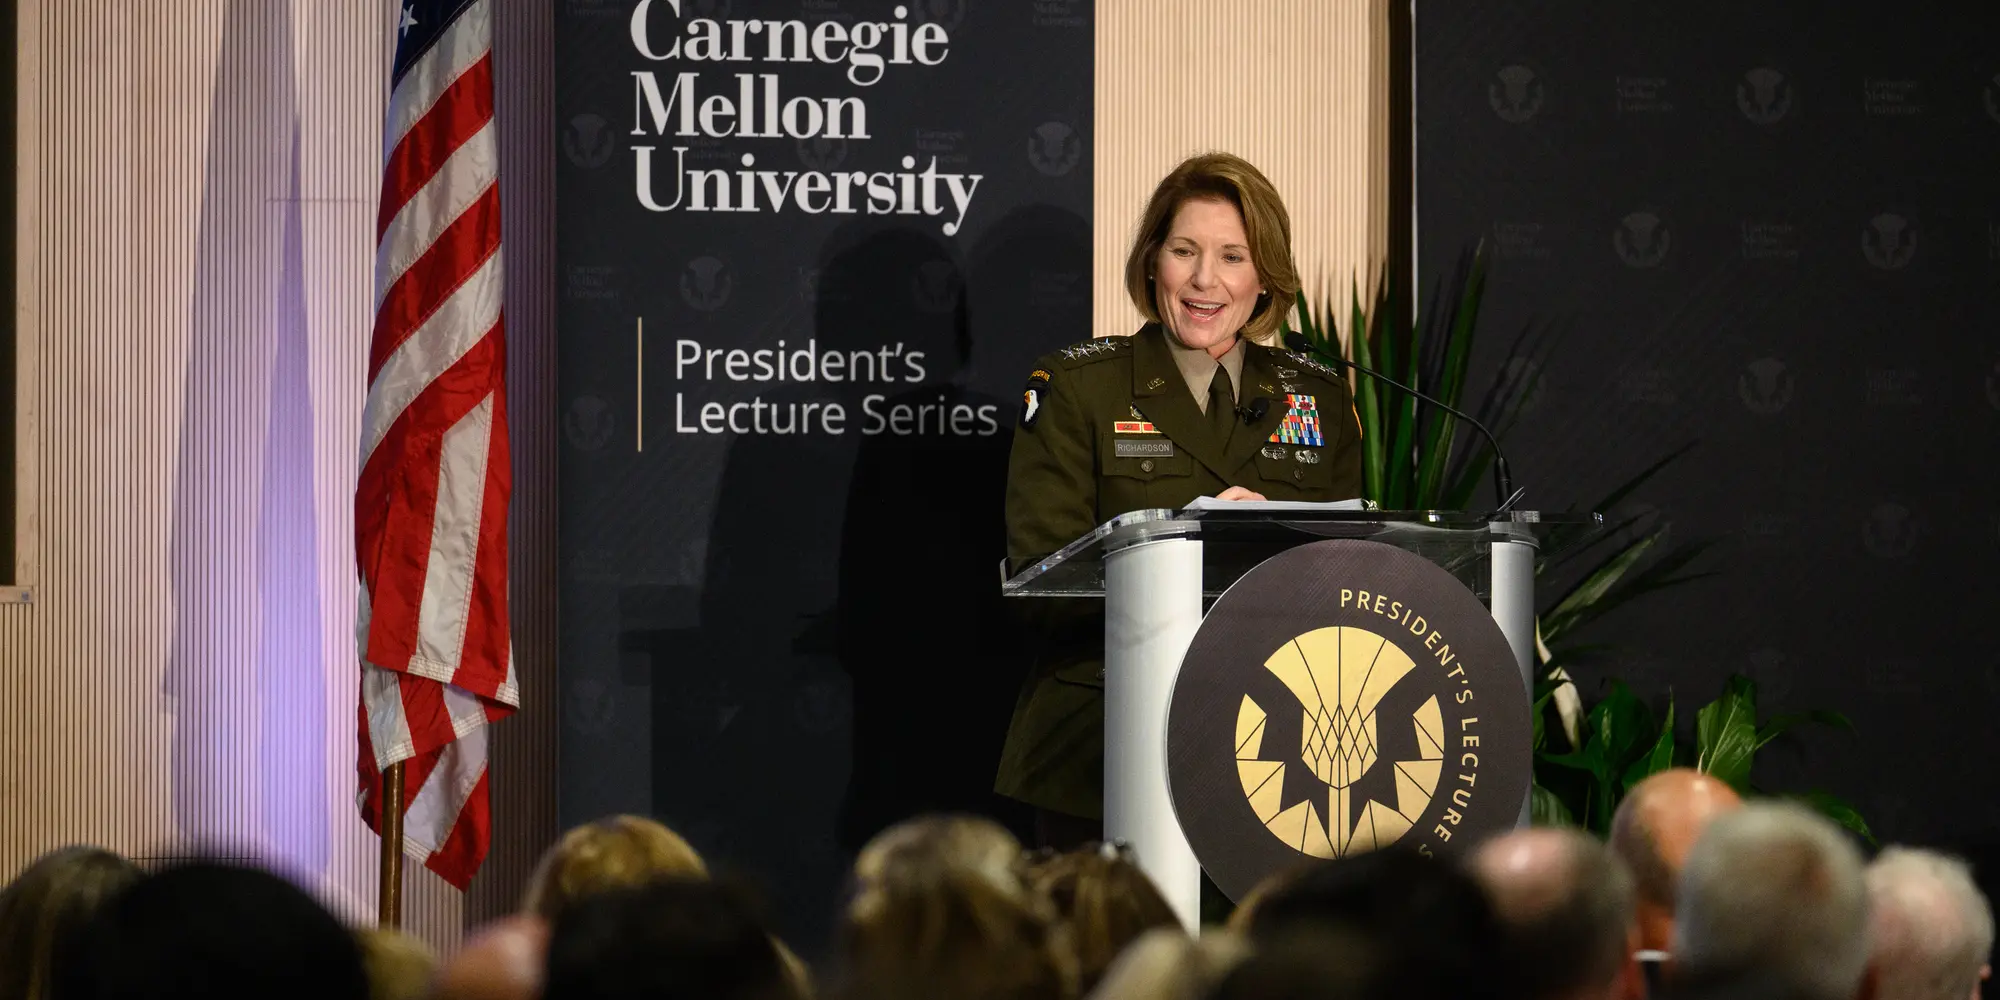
[[1221, 405]]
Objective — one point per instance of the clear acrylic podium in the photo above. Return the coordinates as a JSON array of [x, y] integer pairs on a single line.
[[1154, 568]]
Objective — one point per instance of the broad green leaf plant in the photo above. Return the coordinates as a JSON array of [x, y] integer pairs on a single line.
[[1587, 756]]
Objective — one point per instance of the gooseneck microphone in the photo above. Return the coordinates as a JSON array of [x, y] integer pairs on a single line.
[[1503, 480]]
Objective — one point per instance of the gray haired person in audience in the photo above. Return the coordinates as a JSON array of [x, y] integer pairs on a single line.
[[1772, 905], [1565, 907], [1931, 927]]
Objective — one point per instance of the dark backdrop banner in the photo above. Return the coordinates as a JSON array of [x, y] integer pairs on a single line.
[[808, 251], [1773, 230]]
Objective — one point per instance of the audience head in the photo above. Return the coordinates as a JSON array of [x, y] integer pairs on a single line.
[[1425, 922], [1336, 963], [1106, 901], [501, 961], [1930, 927], [1564, 903], [610, 853], [1652, 832], [399, 967], [939, 909], [1772, 898], [669, 939], [44, 908], [1167, 964], [206, 929]]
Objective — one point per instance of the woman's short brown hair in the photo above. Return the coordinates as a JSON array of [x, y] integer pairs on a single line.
[[611, 853], [938, 909], [1106, 900], [1265, 221]]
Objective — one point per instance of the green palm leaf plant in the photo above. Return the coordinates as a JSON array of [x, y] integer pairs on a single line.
[[1413, 459]]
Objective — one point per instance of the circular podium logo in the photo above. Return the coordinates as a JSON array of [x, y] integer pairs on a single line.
[[1340, 697]]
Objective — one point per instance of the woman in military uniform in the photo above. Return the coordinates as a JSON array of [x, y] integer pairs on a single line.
[[1193, 404]]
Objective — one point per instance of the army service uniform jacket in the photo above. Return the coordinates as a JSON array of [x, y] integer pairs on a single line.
[[1110, 426]]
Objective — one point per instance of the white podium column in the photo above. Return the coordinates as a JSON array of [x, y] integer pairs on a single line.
[[1152, 607], [1513, 604]]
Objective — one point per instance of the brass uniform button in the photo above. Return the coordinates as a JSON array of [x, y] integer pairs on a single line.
[[1298, 475], [1146, 466]]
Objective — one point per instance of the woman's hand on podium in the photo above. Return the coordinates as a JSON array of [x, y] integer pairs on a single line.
[[1239, 493]]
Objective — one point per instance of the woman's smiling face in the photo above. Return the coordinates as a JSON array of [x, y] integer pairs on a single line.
[[1204, 283]]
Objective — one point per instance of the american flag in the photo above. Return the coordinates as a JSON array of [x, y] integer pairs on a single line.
[[430, 508]]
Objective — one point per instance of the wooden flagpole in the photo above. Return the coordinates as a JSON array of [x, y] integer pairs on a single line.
[[389, 905]]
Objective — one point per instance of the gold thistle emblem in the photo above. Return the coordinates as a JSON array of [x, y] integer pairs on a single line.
[[1339, 675]]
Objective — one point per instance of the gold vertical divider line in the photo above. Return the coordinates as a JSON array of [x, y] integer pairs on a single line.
[[639, 431]]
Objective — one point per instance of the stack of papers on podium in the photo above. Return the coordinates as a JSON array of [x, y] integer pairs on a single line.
[[1285, 506]]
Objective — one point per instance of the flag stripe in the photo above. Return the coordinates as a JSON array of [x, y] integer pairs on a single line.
[[405, 479], [461, 45], [431, 494], [454, 542], [434, 207], [437, 346], [428, 284], [466, 108]]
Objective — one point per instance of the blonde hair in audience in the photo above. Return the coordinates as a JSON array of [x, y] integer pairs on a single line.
[[938, 909], [1167, 964], [399, 966], [1106, 900], [609, 853], [45, 906]]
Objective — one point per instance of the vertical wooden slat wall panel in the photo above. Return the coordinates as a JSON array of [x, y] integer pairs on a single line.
[[524, 748], [204, 186], [1287, 84]]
